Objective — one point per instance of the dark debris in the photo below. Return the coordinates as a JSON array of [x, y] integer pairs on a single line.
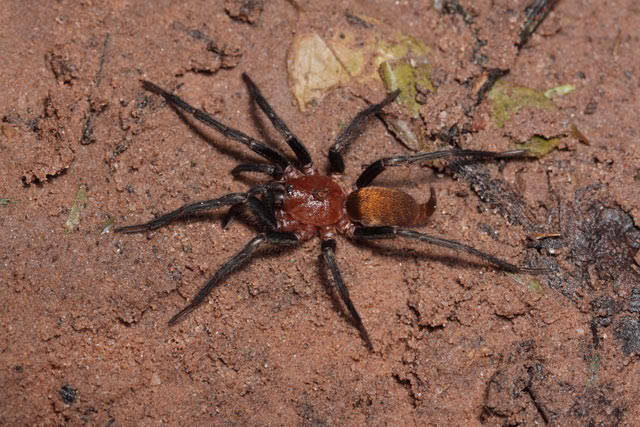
[[453, 7], [597, 407], [356, 20], [598, 239], [517, 387], [244, 10], [628, 331], [602, 242], [496, 192], [601, 236], [534, 15], [62, 67], [548, 244], [68, 394]]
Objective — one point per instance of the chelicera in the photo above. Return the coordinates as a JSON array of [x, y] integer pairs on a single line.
[[299, 203]]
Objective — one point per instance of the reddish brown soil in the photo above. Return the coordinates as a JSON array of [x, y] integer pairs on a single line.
[[84, 335]]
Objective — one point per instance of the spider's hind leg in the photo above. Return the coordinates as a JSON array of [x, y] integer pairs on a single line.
[[379, 166], [390, 232], [329, 255]]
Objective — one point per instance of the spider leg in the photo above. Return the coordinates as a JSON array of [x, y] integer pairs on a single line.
[[262, 209], [298, 147], [188, 209], [271, 154], [353, 130], [264, 168], [230, 216], [273, 238], [377, 167], [329, 255], [263, 212], [387, 232]]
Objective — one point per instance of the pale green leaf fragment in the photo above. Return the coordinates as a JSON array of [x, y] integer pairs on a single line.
[[352, 51], [534, 286], [107, 225], [402, 75], [506, 99], [594, 368], [78, 205], [559, 90], [402, 47], [402, 129], [539, 146]]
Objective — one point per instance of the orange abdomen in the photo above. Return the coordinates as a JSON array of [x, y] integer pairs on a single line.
[[379, 206]]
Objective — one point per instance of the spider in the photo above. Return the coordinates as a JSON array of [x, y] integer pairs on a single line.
[[299, 203]]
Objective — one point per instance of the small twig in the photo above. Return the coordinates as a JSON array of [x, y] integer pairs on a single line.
[[536, 398], [535, 14], [87, 130], [103, 57]]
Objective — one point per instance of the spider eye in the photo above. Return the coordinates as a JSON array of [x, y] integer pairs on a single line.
[[320, 194], [289, 189]]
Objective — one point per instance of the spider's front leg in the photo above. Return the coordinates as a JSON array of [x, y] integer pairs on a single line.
[[271, 154], [301, 152], [186, 210], [255, 205], [353, 130]]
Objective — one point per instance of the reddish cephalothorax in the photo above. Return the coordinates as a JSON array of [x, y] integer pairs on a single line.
[[299, 203], [314, 199]]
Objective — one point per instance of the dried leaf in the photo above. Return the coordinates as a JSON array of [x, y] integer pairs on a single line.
[[506, 99], [313, 69]]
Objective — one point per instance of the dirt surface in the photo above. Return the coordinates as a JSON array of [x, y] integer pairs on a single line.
[[84, 311]]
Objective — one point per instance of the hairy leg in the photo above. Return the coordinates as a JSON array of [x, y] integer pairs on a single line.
[[387, 232], [272, 238], [329, 255]]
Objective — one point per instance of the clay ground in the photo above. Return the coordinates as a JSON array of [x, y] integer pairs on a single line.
[[83, 320]]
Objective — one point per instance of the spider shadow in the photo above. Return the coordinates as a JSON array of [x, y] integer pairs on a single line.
[[247, 220], [388, 252], [330, 289], [408, 253], [259, 121], [236, 153], [219, 217]]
